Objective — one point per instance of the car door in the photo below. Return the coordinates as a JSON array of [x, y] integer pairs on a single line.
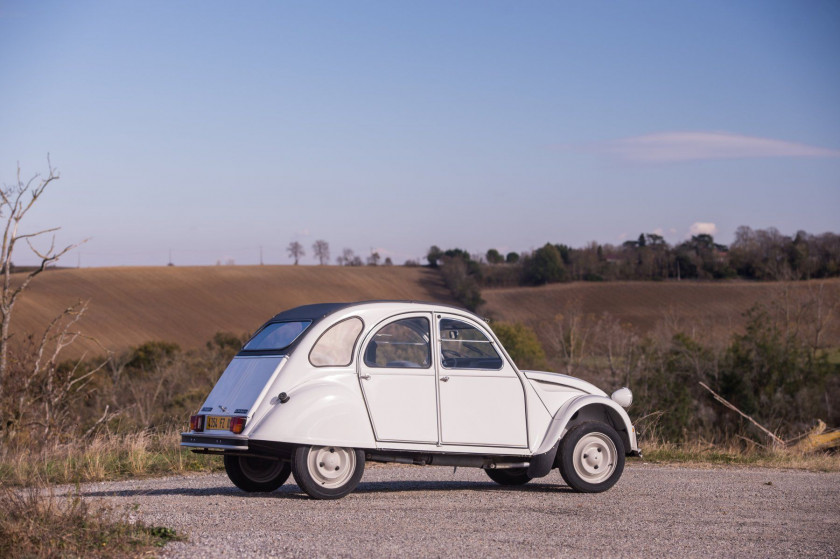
[[482, 400], [398, 380]]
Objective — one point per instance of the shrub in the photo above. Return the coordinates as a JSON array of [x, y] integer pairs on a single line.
[[522, 345], [545, 265]]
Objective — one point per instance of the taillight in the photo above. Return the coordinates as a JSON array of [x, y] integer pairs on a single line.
[[197, 423], [237, 424]]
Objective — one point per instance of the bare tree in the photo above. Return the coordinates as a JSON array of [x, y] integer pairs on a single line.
[[349, 258], [295, 250], [374, 258], [15, 202], [321, 250]]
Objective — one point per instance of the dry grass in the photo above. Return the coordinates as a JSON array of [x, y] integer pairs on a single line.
[[106, 457], [704, 454], [187, 305], [37, 523]]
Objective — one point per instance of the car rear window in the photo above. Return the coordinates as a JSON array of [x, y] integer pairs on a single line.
[[277, 336]]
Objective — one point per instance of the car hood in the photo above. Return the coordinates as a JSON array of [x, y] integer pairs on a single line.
[[564, 380]]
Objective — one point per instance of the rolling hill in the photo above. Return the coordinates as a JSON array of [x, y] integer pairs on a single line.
[[712, 309], [187, 305]]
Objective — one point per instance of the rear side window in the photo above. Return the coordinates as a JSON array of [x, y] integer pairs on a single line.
[[404, 344], [277, 336], [335, 346]]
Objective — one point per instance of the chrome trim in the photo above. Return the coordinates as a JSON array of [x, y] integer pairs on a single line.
[[197, 440]]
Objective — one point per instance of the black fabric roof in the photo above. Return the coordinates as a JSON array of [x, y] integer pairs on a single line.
[[320, 310], [310, 312]]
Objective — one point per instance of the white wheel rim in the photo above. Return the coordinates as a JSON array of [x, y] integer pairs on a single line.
[[594, 457], [331, 466]]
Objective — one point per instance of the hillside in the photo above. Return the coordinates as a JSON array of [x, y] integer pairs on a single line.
[[712, 309], [187, 305]]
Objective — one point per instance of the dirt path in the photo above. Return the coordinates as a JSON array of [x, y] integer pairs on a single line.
[[654, 511]]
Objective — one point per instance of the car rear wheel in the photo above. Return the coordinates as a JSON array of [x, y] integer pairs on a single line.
[[327, 472], [591, 457], [253, 474], [509, 476]]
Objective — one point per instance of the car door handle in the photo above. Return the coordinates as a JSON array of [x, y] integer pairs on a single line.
[[364, 377], [444, 379]]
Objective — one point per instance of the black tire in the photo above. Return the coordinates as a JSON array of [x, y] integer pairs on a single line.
[[591, 457], [327, 472], [256, 475], [509, 476]]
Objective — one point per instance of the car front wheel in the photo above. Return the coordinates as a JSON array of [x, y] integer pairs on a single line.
[[591, 457], [253, 474], [327, 472]]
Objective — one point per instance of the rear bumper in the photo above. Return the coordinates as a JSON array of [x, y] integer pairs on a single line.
[[221, 442]]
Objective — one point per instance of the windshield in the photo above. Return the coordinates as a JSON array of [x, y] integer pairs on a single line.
[[277, 336]]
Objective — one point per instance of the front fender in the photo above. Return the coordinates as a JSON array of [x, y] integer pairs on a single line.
[[590, 407], [325, 411]]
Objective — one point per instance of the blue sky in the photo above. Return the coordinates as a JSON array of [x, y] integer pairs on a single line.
[[214, 128]]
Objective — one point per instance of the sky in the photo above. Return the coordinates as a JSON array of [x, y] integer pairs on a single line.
[[219, 132]]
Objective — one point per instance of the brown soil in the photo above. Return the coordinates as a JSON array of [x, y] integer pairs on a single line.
[[709, 309], [187, 305]]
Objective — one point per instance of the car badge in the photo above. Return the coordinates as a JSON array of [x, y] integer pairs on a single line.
[[221, 407]]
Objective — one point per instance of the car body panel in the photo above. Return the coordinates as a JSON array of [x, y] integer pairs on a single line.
[[243, 385], [320, 412], [590, 407]]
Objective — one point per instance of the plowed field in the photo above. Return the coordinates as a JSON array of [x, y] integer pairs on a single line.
[[187, 305], [715, 308]]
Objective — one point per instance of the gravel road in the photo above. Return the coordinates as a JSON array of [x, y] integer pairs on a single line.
[[653, 511]]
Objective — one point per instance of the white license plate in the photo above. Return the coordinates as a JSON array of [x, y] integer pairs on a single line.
[[217, 422]]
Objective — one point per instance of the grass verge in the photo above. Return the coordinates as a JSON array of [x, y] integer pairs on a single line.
[[106, 457], [36, 523], [715, 455], [144, 454]]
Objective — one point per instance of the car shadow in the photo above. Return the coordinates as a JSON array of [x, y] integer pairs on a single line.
[[291, 490], [444, 486]]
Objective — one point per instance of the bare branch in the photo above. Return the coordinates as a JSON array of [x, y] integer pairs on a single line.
[[102, 420], [31, 235], [776, 440]]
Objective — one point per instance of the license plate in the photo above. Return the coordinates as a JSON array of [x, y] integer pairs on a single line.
[[217, 422]]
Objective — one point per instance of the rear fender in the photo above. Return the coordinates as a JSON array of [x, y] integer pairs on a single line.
[[590, 408], [327, 411]]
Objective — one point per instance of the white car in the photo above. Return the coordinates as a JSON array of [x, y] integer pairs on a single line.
[[321, 389]]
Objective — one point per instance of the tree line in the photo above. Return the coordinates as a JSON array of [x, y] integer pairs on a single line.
[[755, 254], [321, 253]]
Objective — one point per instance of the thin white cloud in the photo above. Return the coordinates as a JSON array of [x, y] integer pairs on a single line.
[[703, 228], [667, 147]]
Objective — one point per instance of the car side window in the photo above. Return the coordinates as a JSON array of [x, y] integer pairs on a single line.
[[335, 346], [463, 346], [403, 344]]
